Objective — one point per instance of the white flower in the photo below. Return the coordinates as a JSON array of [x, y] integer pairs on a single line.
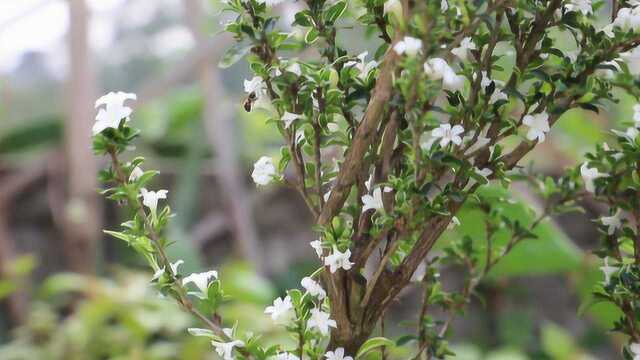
[[438, 68], [538, 125], [270, 2], [589, 175], [337, 354], [255, 85], [338, 260], [280, 308], [626, 19], [288, 118], [635, 349], [135, 174], [321, 321], [201, 280], [263, 171], [317, 246], [113, 112], [632, 58], [174, 269], [462, 51], [454, 222], [444, 5], [435, 68], [452, 81], [420, 272], [636, 114], [409, 45], [583, 6], [150, 198], [485, 173], [362, 66], [313, 288], [630, 134], [612, 222], [374, 201], [295, 68], [286, 356], [608, 270], [497, 94], [448, 134], [225, 350], [394, 7]]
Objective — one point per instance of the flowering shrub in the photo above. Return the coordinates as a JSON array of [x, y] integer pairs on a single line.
[[386, 151]]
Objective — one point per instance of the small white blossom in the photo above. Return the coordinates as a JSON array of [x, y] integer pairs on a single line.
[[270, 2], [538, 125], [608, 270], [321, 321], [313, 288], [635, 350], [435, 68], [454, 222], [135, 174], [201, 280], [438, 68], [113, 111], [263, 171], [286, 356], [636, 114], [225, 349], [255, 85], [393, 7], [626, 19], [280, 308], [409, 45], [288, 118], [612, 222], [317, 246], [337, 354], [150, 198], [462, 51], [374, 201], [630, 134], [448, 134], [174, 269], [362, 65], [497, 94], [338, 260], [583, 6], [420, 272], [589, 175], [632, 59], [444, 5], [295, 68], [452, 81]]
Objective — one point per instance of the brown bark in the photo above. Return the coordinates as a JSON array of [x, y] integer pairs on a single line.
[[81, 210]]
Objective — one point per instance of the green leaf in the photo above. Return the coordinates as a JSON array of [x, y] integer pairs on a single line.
[[372, 344], [334, 12], [233, 55], [311, 36]]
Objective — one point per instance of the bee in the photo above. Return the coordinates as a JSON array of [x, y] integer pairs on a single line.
[[248, 102]]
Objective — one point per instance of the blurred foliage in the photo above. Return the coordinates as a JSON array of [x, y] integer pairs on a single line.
[[77, 317]]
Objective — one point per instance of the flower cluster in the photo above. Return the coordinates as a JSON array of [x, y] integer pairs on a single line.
[[385, 152]]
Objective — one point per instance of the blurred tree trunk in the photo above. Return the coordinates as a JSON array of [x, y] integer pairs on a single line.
[[220, 132], [81, 210]]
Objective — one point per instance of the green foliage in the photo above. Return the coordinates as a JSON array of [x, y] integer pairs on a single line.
[[116, 319]]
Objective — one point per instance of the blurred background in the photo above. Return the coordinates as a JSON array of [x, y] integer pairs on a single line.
[[69, 292]]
